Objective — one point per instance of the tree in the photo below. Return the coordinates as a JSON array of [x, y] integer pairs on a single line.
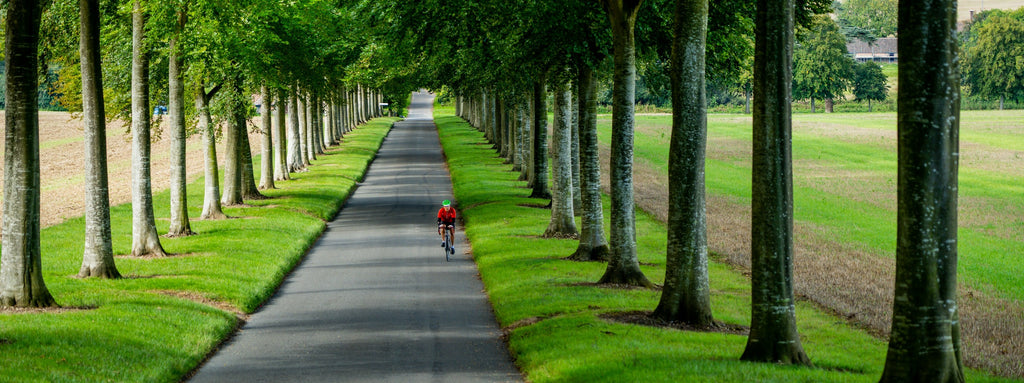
[[592, 246], [145, 240], [686, 296], [822, 69], [773, 337], [994, 57], [21, 274], [267, 144], [211, 195], [280, 121], [98, 254], [540, 142], [179, 225], [623, 265], [876, 16], [562, 223], [231, 194], [924, 344], [869, 83]]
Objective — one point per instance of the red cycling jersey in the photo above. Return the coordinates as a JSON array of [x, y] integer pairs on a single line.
[[446, 216]]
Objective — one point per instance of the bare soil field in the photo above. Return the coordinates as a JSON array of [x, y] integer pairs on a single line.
[[61, 154]]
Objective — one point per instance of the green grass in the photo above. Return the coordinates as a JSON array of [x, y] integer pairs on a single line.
[[133, 332], [565, 339], [987, 261]]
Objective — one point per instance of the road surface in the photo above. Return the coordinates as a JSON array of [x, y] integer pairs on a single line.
[[375, 300]]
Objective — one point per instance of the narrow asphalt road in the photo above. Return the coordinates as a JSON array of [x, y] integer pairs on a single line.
[[375, 300]]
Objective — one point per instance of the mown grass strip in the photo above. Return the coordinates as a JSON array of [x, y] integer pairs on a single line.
[[552, 312], [152, 326]]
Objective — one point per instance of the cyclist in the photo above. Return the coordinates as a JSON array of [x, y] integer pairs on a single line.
[[446, 221]]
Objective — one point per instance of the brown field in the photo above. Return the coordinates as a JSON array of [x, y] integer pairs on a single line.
[[62, 153]]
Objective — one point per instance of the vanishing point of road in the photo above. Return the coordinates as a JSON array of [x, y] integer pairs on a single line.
[[374, 300]]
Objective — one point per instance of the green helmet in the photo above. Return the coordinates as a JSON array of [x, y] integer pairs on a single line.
[[446, 203]]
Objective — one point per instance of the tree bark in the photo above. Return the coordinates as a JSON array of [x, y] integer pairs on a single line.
[[592, 246], [829, 104], [526, 143], [562, 223], [247, 175], [145, 240], [294, 137], [231, 194], [540, 142], [179, 225], [924, 344], [211, 196], [21, 274], [267, 143], [303, 111], [577, 197], [623, 265], [773, 335], [98, 254], [686, 295], [280, 143]]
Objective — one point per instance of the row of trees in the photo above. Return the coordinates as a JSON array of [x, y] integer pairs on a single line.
[[501, 59], [312, 87]]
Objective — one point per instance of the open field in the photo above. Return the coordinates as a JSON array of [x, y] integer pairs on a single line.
[[845, 217], [560, 326], [62, 151]]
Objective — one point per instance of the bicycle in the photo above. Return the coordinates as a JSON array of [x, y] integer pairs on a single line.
[[449, 242]]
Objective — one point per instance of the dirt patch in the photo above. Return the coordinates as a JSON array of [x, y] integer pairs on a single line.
[[7, 310], [853, 283], [614, 286], [199, 298], [644, 318], [152, 257], [62, 153], [535, 205]]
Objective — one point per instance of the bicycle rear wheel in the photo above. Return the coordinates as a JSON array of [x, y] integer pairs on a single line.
[[447, 246]]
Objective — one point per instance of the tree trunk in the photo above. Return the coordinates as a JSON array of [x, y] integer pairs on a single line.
[[746, 101], [773, 335], [526, 144], [21, 270], [829, 104], [623, 265], [179, 225], [562, 223], [267, 143], [232, 192], [577, 198], [311, 127], [145, 240], [303, 129], [1002, 99], [540, 142], [294, 137], [247, 176], [98, 254], [280, 143], [211, 196], [812, 105], [686, 295], [593, 246], [869, 106], [924, 344]]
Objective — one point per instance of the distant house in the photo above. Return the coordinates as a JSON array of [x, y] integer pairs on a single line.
[[882, 50]]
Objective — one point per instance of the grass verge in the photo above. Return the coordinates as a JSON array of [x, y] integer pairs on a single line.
[[162, 320], [552, 314]]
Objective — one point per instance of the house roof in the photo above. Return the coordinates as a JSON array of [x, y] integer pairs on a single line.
[[884, 45]]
